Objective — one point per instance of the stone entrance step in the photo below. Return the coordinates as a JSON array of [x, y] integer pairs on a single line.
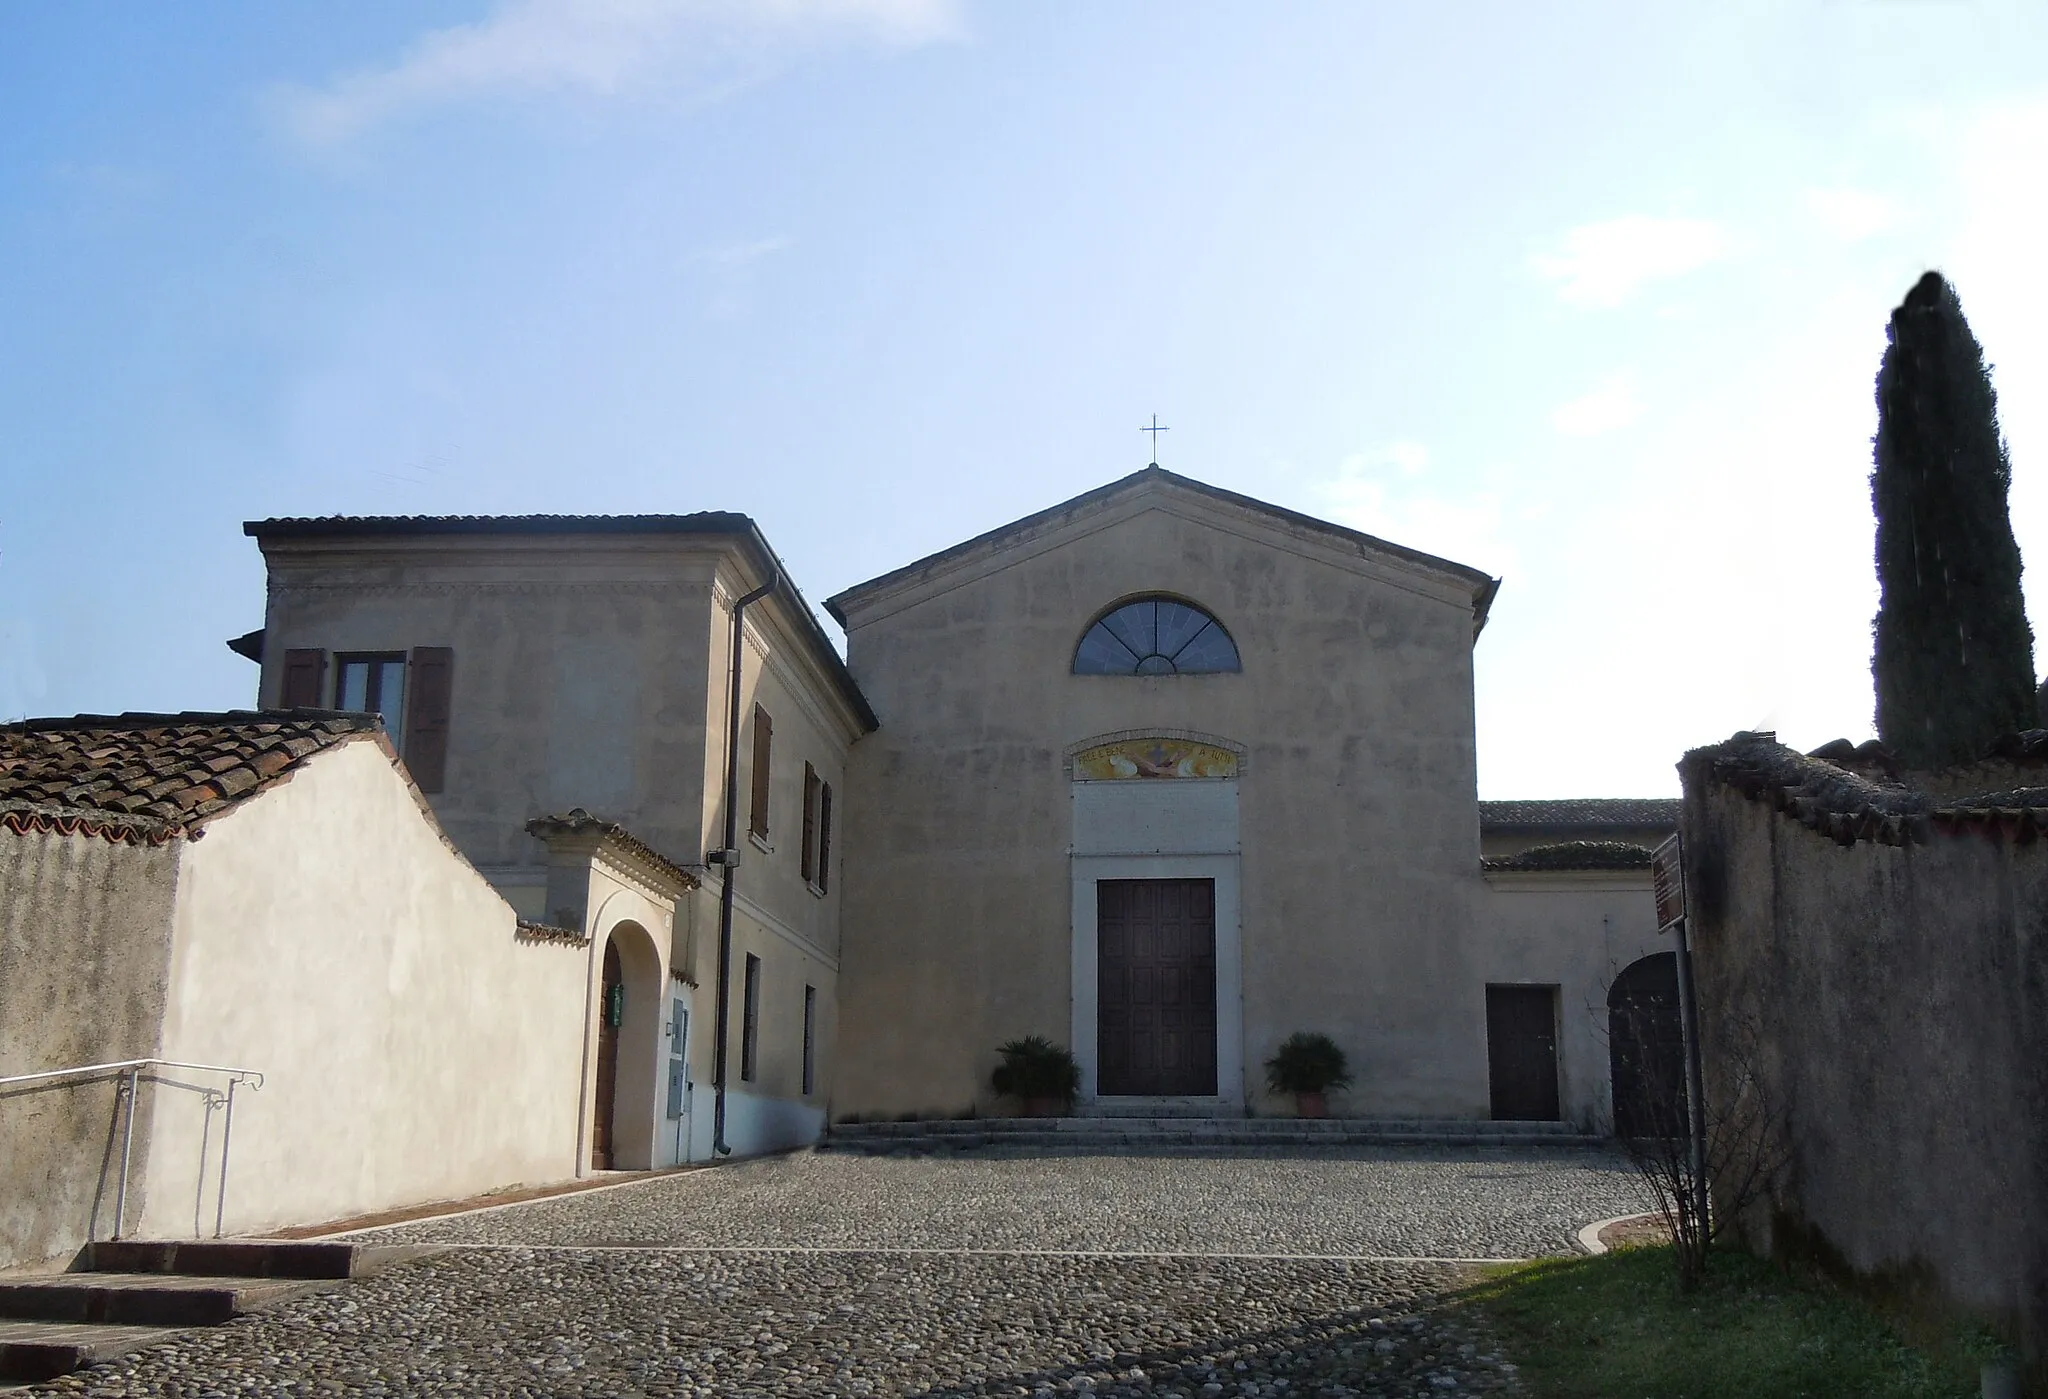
[[147, 1299], [1184, 1134], [43, 1350], [124, 1295]]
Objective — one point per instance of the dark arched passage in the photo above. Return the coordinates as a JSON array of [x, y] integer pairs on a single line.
[[1646, 1049]]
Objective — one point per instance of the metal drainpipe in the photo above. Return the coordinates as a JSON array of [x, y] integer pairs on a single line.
[[732, 835]]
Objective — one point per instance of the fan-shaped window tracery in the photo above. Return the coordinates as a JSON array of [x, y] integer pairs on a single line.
[[1156, 636]]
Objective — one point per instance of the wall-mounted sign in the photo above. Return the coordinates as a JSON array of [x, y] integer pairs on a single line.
[[1667, 877], [1154, 758]]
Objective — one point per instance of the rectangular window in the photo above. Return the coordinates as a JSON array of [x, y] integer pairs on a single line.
[[824, 834], [373, 685], [750, 1021], [764, 741], [810, 1040], [809, 863]]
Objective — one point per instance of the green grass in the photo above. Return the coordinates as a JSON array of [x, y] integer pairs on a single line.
[[1616, 1327]]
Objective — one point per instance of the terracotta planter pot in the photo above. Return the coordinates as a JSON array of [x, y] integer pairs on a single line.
[[1043, 1107], [1311, 1105]]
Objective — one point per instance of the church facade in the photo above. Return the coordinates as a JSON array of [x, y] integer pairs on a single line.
[[1167, 774]]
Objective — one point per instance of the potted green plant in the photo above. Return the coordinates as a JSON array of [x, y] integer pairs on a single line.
[[1308, 1065], [1041, 1075]]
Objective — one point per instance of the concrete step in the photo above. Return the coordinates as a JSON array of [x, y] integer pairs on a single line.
[[1263, 1127], [1183, 1134], [242, 1258], [147, 1299], [132, 1293], [43, 1350]]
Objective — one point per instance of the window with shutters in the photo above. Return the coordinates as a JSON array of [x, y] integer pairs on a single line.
[[430, 697], [305, 677], [750, 1021], [373, 684], [808, 864], [764, 742], [824, 836], [810, 1040]]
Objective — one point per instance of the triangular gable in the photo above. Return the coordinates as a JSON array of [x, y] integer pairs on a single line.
[[983, 553]]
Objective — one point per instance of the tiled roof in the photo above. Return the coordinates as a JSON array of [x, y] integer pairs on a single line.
[[1580, 813], [1848, 806], [528, 930], [149, 777], [1574, 855], [311, 527], [580, 822]]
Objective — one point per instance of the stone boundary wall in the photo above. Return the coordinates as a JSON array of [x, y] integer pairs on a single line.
[[85, 939], [1888, 941]]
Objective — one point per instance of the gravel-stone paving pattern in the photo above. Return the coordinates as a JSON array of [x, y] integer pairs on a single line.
[[520, 1323], [1379, 1202], [1267, 1275]]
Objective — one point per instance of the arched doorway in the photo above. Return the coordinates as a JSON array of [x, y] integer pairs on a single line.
[[629, 1013], [610, 1015], [1646, 1049]]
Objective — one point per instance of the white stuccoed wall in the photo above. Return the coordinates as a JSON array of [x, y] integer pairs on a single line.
[[326, 934], [1577, 931]]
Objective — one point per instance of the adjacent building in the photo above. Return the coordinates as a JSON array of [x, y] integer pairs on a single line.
[[537, 666]]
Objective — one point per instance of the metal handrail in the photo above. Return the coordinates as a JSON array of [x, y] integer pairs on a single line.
[[250, 1076], [131, 1075]]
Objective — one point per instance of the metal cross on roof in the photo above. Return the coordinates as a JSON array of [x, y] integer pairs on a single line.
[[1155, 430]]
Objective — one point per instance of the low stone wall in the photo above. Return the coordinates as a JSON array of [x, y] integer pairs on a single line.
[[1888, 944]]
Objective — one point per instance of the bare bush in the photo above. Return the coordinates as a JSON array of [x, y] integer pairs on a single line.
[[1745, 1145]]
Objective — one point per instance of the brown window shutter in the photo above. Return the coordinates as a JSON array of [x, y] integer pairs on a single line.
[[304, 671], [808, 866], [824, 834], [764, 741], [429, 690]]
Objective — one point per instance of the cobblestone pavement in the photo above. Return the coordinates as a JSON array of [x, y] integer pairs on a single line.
[[716, 1284], [1498, 1202]]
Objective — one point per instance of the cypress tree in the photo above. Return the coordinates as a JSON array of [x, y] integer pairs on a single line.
[[1954, 659]]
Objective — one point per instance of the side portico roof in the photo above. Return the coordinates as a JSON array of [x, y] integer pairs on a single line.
[[726, 523], [1483, 586]]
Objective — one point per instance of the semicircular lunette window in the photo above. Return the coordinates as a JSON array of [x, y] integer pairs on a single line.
[[1156, 636]]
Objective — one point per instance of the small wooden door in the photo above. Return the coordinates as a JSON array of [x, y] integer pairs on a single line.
[[611, 1003], [1521, 1052], [1156, 987]]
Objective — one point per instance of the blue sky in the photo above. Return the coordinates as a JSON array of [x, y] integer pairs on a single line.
[[1588, 296]]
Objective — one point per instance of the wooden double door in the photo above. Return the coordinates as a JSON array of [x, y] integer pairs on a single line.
[[1155, 987]]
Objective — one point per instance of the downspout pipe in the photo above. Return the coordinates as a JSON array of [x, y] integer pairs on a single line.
[[729, 856]]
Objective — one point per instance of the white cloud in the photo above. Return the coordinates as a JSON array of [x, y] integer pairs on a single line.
[[593, 48], [1603, 264], [1608, 405], [1852, 214]]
